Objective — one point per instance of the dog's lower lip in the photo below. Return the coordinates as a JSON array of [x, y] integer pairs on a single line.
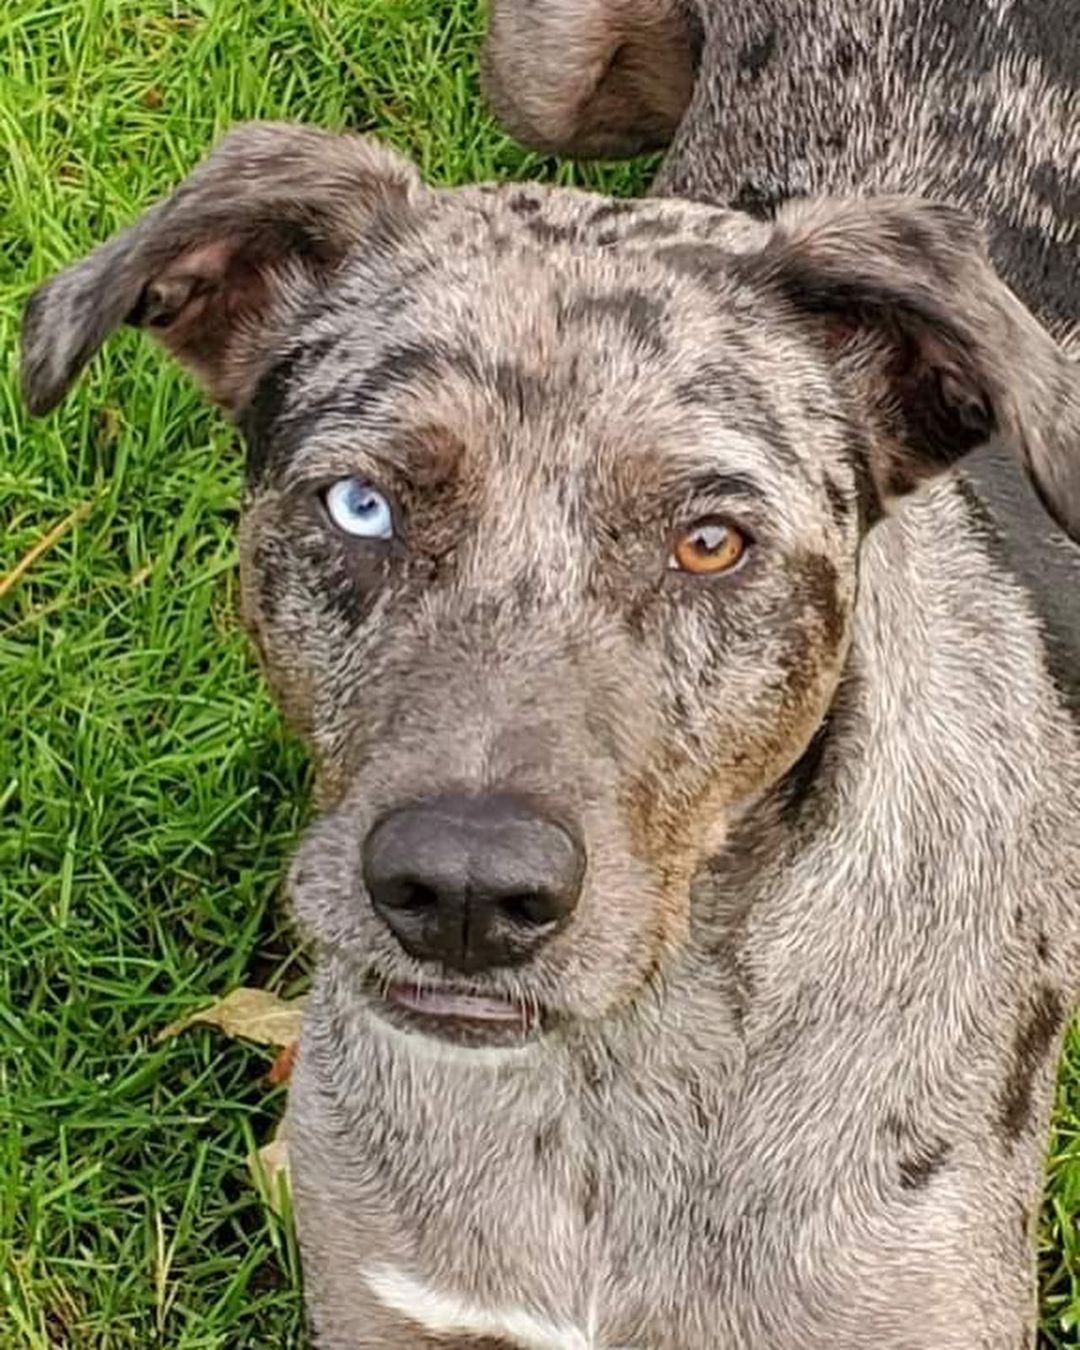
[[456, 1005]]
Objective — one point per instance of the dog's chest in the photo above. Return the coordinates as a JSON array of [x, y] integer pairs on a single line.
[[539, 1220], [645, 1217], [553, 1244]]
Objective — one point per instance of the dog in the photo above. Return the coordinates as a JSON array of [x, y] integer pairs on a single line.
[[694, 882]]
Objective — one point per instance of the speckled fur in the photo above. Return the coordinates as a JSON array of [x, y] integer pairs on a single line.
[[805, 1020], [978, 104]]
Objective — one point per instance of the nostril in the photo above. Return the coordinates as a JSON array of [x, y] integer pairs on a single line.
[[530, 909], [412, 896]]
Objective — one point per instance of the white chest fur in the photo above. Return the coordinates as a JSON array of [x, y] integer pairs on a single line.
[[444, 1313]]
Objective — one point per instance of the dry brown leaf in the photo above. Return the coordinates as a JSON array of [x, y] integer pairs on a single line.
[[269, 1168], [250, 1015]]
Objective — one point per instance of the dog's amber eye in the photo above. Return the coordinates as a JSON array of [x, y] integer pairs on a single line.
[[709, 546]]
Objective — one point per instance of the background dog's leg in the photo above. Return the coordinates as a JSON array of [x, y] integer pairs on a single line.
[[592, 78]]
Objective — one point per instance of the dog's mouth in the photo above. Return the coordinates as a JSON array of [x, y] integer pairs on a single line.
[[459, 1015]]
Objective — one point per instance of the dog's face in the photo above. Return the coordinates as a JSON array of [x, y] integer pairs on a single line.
[[554, 510], [606, 572]]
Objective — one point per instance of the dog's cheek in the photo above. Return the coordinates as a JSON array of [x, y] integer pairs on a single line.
[[307, 599], [742, 693], [779, 697], [276, 612]]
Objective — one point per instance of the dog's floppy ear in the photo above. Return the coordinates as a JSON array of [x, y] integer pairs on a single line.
[[270, 211], [937, 348]]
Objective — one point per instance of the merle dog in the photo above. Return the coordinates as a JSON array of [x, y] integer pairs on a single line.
[[695, 878]]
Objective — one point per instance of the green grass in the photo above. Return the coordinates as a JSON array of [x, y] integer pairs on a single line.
[[148, 795]]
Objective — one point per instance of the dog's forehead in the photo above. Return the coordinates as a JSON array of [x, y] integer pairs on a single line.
[[500, 259], [586, 318], [497, 261], [556, 217]]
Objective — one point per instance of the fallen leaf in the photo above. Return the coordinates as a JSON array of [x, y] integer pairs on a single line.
[[269, 1168], [248, 1014]]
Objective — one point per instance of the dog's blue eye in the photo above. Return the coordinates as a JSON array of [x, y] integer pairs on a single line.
[[358, 509]]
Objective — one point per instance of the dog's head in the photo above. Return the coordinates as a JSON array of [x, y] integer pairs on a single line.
[[553, 522]]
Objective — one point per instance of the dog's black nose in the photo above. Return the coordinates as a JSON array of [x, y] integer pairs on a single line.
[[472, 882]]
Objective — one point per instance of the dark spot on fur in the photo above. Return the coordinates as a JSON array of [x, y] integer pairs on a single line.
[[523, 205], [607, 237], [259, 419], [818, 582], [760, 200], [739, 392], [1034, 1040], [838, 502], [695, 34], [546, 1140], [723, 485], [697, 1106], [918, 238], [797, 785], [545, 232], [527, 594], [756, 55], [611, 210], [917, 1169], [843, 59], [895, 1127], [521, 391], [680, 707], [397, 367], [711, 385], [347, 583], [590, 1194], [688, 395], [1042, 947], [978, 513], [637, 314], [598, 1070], [953, 36]]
